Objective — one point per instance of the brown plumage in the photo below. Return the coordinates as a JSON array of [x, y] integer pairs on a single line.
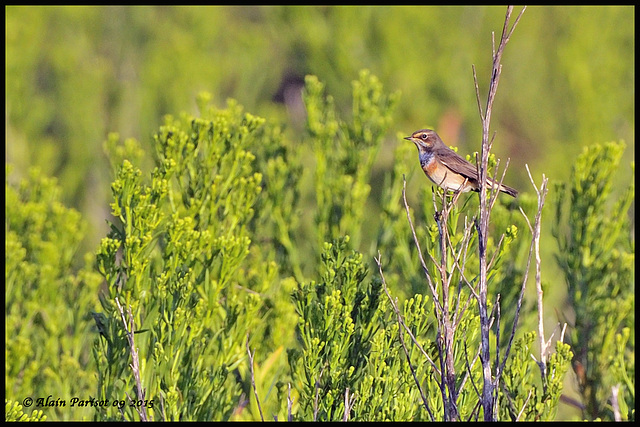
[[445, 167]]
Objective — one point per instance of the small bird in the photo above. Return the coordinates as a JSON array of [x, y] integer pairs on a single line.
[[445, 167]]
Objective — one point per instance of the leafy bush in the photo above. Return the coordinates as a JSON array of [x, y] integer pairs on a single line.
[[596, 254], [48, 298]]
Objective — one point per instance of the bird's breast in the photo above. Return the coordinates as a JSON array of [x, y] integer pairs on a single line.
[[441, 175]]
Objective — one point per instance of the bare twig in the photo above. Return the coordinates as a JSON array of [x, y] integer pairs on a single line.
[[348, 404], [289, 403], [162, 409], [446, 327], [135, 364], [535, 248], [460, 310], [495, 253], [253, 382], [468, 365], [315, 400], [482, 224], [434, 292], [614, 402], [542, 193], [524, 405], [496, 308], [535, 232]]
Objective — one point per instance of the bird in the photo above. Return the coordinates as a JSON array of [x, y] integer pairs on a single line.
[[446, 168]]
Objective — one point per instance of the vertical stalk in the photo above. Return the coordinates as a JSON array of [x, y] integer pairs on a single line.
[[488, 397], [450, 395]]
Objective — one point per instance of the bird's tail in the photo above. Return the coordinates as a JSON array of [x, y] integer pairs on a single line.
[[504, 188], [510, 191]]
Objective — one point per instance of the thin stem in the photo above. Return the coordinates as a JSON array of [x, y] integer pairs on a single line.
[[482, 224], [434, 293], [253, 382], [535, 232], [135, 364], [348, 404], [289, 403], [401, 326]]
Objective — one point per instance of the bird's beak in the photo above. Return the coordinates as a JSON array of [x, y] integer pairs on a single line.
[[408, 138]]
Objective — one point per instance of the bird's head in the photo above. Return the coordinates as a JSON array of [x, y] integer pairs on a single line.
[[425, 139]]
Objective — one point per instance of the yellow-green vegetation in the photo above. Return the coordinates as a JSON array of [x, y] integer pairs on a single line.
[[216, 262]]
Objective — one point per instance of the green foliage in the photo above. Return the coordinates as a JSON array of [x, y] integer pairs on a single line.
[[182, 240], [523, 385], [344, 153], [47, 298], [331, 332], [521, 402], [13, 412], [349, 345], [596, 254]]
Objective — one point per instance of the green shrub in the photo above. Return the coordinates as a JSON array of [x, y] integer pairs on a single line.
[[596, 254], [48, 298]]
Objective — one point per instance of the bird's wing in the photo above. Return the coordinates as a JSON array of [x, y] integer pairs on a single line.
[[453, 161]]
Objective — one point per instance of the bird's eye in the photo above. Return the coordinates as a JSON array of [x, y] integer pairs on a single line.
[[423, 136]]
